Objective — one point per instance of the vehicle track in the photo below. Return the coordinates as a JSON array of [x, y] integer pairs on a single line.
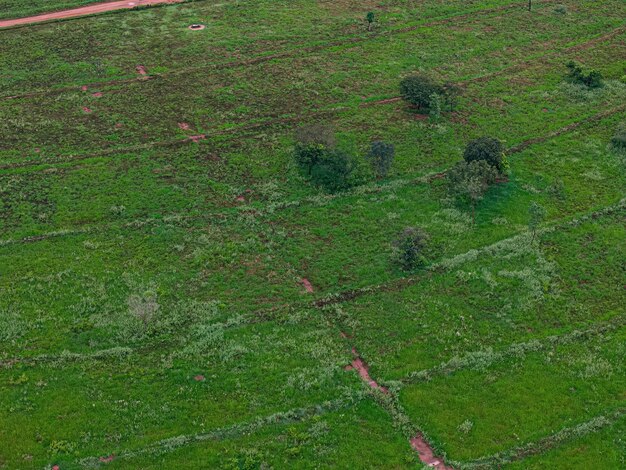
[[84, 11]]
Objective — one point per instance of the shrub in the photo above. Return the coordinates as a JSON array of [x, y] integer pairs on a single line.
[[410, 247], [590, 78], [469, 181], [418, 90], [381, 157], [487, 149], [619, 139], [333, 171], [312, 144]]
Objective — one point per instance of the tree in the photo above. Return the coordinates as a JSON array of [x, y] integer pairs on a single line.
[[410, 248], [487, 149], [469, 181], [312, 144], [381, 157], [370, 18], [417, 90], [536, 214]]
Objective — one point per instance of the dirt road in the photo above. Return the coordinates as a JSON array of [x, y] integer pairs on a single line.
[[82, 11]]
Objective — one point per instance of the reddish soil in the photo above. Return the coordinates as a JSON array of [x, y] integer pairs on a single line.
[[86, 109], [107, 459], [199, 378], [240, 199], [184, 126], [362, 368], [83, 11], [141, 70], [97, 94], [426, 454], [196, 138], [84, 88], [307, 285], [421, 117]]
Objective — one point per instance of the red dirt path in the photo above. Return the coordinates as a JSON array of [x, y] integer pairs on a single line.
[[82, 11]]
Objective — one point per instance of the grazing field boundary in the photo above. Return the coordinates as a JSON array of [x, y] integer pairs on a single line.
[[591, 426]]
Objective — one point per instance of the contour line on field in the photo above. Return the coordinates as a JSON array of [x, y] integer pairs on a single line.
[[83, 11]]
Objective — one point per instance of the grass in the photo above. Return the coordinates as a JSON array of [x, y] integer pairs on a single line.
[[152, 311]]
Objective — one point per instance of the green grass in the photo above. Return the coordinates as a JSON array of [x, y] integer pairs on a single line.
[[130, 265]]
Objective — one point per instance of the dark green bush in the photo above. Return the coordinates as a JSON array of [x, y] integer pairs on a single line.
[[418, 90], [333, 170], [488, 149], [590, 78], [410, 248]]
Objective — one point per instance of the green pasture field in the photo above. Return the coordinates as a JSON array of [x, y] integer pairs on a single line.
[[155, 234]]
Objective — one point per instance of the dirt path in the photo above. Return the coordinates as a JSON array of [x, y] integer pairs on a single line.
[[82, 11]]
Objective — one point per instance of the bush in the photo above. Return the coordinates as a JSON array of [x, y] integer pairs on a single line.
[[418, 90], [619, 139], [410, 247], [561, 9], [488, 149], [333, 170], [578, 74], [312, 143], [469, 181], [381, 157]]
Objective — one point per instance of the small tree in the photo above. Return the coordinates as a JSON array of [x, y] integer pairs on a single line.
[[487, 149], [410, 247], [418, 89], [370, 18], [312, 144], [536, 214], [381, 157], [468, 182]]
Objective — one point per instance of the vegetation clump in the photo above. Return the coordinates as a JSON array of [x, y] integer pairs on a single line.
[[486, 149], [320, 160], [419, 90], [580, 75], [469, 181], [410, 248]]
